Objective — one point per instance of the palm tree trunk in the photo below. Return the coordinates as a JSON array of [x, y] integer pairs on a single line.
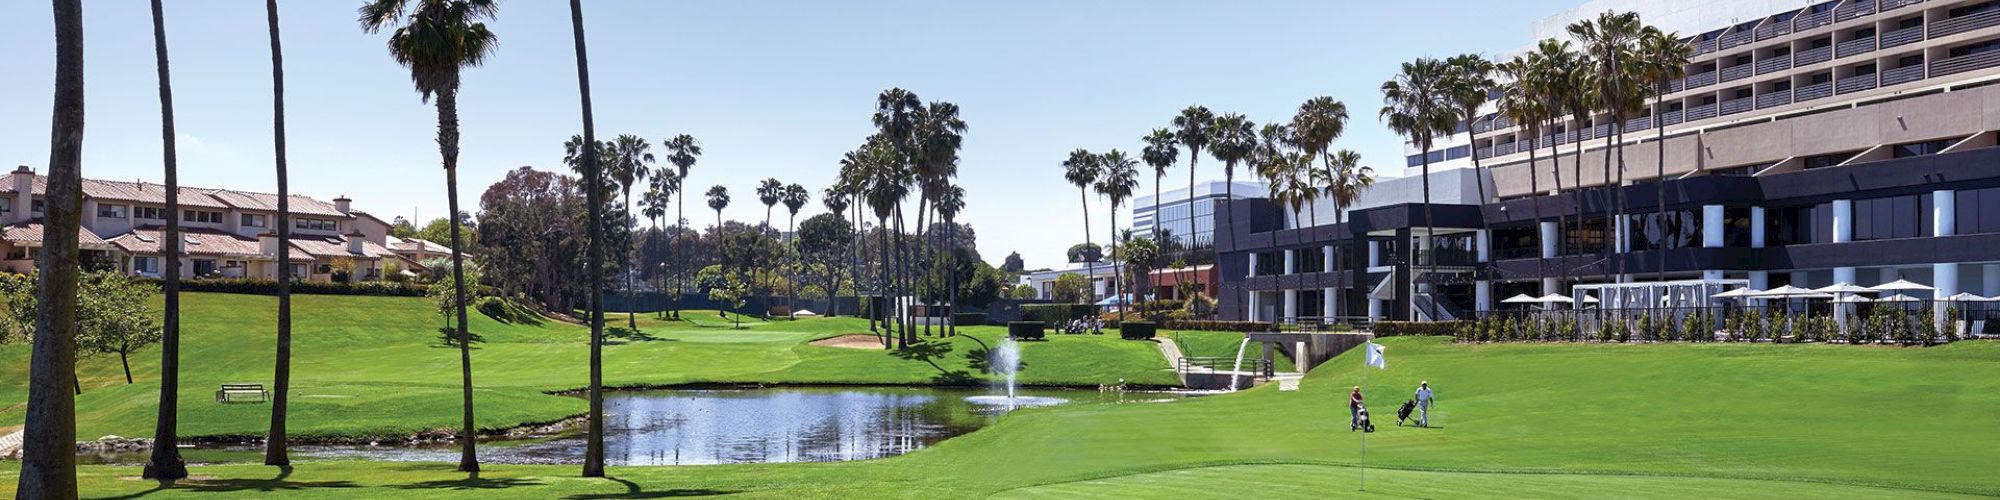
[[951, 234], [1188, 253], [1535, 189], [593, 455], [792, 288], [1611, 219], [1661, 180], [275, 439], [881, 314], [626, 264], [1117, 271], [680, 272], [1229, 200], [1430, 229], [1090, 266], [1158, 243], [48, 464], [447, 108], [165, 463], [1576, 165]]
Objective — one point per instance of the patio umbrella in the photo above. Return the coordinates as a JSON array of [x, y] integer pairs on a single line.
[[1520, 298], [1901, 286], [1843, 294], [1740, 293], [1790, 292], [1967, 297], [1898, 298], [1844, 288], [1853, 299]]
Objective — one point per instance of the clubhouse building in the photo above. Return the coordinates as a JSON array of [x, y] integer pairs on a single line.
[[1845, 141]]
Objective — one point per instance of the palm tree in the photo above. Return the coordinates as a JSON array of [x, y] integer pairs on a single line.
[[770, 192], [1469, 86], [834, 198], [48, 464], [593, 161], [165, 464], [1663, 58], [631, 162], [1320, 121], [275, 439], [1081, 170], [884, 182], [682, 151], [938, 135], [950, 201], [1192, 128], [1520, 101], [1233, 139], [1609, 40], [718, 199], [1290, 183], [1118, 177], [1417, 105], [436, 40], [1347, 180], [795, 197], [1564, 88], [1161, 152], [653, 205]]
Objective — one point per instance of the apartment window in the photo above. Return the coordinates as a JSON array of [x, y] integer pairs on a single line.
[[315, 225], [1910, 22], [150, 213], [6, 206], [298, 270], [1908, 61], [204, 267], [1707, 67], [252, 220], [1910, 149], [1978, 211], [1824, 41], [1864, 70], [146, 265], [1742, 60], [202, 216], [1864, 32], [111, 211], [35, 207], [1977, 8]]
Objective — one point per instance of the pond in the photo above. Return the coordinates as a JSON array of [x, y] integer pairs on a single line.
[[722, 426]]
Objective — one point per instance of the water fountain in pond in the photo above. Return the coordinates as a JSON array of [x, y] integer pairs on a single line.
[[1006, 360]]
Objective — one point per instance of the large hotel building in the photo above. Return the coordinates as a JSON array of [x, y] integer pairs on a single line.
[[1849, 141]]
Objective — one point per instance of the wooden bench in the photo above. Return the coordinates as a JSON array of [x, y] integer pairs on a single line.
[[242, 393]]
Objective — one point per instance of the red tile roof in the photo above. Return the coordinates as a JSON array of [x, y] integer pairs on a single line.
[[156, 194], [29, 233], [148, 240]]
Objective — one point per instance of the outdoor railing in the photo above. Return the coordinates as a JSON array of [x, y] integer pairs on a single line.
[[1699, 80], [1702, 112], [1855, 83], [1903, 75], [1854, 9], [1670, 118], [1734, 106], [1814, 91], [1812, 20], [1813, 56], [1773, 99], [1856, 46], [1963, 24], [1903, 36], [1964, 63], [1640, 123], [1704, 47], [1503, 149], [1250, 364], [1676, 85], [1734, 73], [1774, 64], [1737, 38], [1889, 5], [1773, 30], [1484, 153]]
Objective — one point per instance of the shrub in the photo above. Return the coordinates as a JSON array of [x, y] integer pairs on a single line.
[[1951, 332], [1022, 330], [1138, 330], [967, 319], [1056, 314], [1415, 328], [1221, 326], [1926, 329]]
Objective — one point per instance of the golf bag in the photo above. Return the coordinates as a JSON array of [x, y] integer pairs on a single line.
[[1403, 413], [1361, 421]]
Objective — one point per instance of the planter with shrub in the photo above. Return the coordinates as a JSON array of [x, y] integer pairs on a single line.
[[1138, 330], [1025, 330]]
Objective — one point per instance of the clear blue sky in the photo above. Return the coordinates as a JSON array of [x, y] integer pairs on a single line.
[[772, 89]]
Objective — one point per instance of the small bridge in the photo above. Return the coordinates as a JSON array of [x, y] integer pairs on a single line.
[[1307, 350]]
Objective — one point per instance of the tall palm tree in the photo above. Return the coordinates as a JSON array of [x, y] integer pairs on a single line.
[[436, 40], [1417, 105], [951, 200], [275, 439], [1609, 40], [653, 205], [835, 199], [165, 464], [1347, 178], [795, 197], [1566, 89], [939, 134], [1520, 102], [1663, 58], [770, 192], [885, 182], [1162, 151], [1082, 169], [631, 162], [48, 463], [1318, 122], [1118, 177], [1470, 86], [1192, 128], [1232, 139], [718, 199], [1288, 175], [682, 151], [594, 173]]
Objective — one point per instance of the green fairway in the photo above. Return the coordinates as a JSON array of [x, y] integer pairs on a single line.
[[377, 365], [1514, 420]]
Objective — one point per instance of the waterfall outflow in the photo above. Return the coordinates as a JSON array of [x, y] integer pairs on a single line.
[[1235, 372]]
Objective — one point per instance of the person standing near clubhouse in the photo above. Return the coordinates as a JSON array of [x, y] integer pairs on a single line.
[[1424, 404], [1354, 409]]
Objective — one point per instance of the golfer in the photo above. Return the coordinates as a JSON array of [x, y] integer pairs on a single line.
[[1354, 409], [1424, 404]]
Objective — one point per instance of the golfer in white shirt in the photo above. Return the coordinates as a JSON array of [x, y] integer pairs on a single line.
[[1424, 404]]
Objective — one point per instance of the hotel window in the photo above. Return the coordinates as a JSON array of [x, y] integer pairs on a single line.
[[315, 225], [1269, 264], [1309, 260], [150, 213], [6, 206], [111, 211], [1677, 229], [1910, 149], [1798, 225], [1586, 237], [1823, 161], [1517, 242], [1892, 217], [253, 220], [1978, 211], [203, 216]]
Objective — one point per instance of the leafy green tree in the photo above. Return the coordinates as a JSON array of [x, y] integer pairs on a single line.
[[1013, 263], [823, 243], [1070, 288]]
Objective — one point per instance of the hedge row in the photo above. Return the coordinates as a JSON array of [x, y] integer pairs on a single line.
[[270, 287], [968, 319], [1056, 314], [1220, 326], [1418, 328]]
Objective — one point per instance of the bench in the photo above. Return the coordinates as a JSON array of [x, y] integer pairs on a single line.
[[242, 393]]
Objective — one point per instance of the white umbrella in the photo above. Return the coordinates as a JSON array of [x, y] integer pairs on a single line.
[[1967, 297], [1901, 286], [1555, 298], [1740, 293], [1520, 298], [1897, 298], [1853, 299], [1840, 288], [1590, 300], [1791, 292]]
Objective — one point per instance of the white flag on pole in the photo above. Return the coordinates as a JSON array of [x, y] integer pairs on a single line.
[[1375, 356]]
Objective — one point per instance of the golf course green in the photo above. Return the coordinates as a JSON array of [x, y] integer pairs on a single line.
[[1513, 420]]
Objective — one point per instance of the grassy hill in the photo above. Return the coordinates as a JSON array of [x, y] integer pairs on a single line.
[[377, 365]]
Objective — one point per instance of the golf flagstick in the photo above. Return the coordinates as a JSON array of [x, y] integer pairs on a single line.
[[1373, 355]]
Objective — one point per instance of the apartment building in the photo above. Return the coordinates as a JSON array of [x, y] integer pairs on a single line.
[[1810, 143], [227, 233]]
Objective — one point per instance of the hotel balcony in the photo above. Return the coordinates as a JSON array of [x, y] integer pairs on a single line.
[[1737, 38], [1734, 106], [1503, 149], [1702, 112], [1814, 91], [1812, 20], [1670, 118], [1734, 73], [1773, 30], [1676, 86], [1964, 63], [1889, 5], [1813, 56], [1903, 37], [1855, 46], [1699, 80], [1902, 75], [1853, 10], [1704, 47], [1773, 99], [1774, 64], [1640, 123], [1855, 83], [1963, 24]]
